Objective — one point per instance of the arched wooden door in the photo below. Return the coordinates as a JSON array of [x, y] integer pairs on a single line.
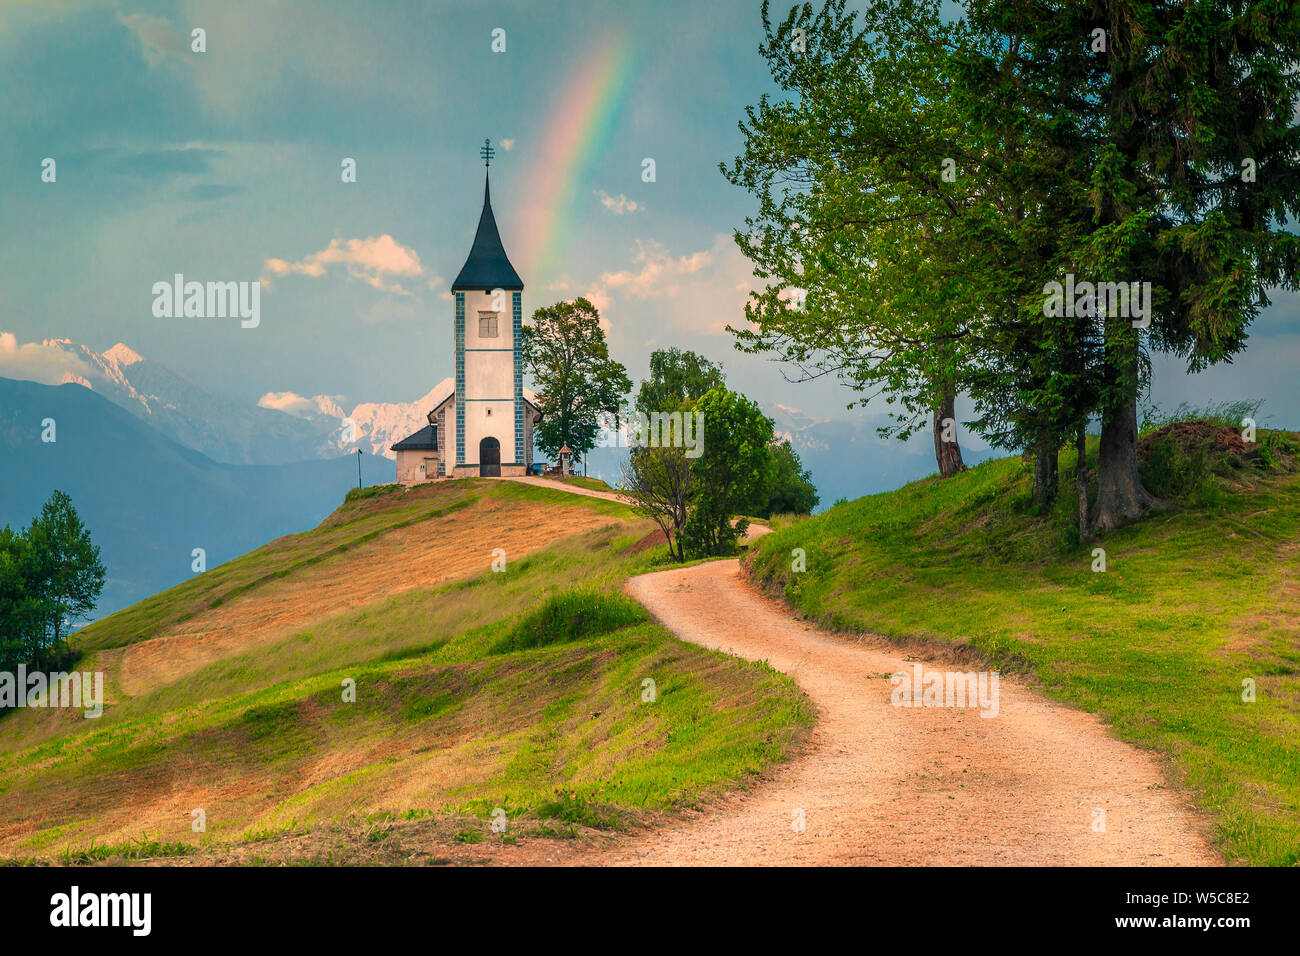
[[489, 458]]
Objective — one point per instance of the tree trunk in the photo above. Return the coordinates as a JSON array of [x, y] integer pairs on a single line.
[[1046, 472], [1081, 481], [1120, 494], [947, 452]]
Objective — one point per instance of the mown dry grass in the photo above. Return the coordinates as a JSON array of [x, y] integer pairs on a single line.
[[255, 730]]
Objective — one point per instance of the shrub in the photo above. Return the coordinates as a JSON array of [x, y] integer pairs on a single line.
[[374, 491], [570, 616]]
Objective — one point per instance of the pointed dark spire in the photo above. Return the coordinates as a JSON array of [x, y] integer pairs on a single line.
[[487, 266]]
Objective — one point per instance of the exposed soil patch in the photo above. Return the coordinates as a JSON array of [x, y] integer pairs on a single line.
[[1220, 440]]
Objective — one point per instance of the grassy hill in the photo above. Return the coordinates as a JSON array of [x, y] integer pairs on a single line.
[[148, 501], [520, 688], [1194, 601]]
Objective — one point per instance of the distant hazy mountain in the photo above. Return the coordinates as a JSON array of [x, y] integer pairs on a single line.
[[845, 455], [282, 427], [375, 426], [149, 501], [218, 426]]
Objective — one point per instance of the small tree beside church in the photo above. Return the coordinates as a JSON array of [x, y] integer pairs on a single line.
[[564, 351]]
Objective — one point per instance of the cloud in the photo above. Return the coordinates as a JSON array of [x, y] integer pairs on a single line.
[[660, 273], [371, 260], [158, 38], [43, 362], [708, 289], [619, 204], [290, 403], [507, 144], [602, 302]]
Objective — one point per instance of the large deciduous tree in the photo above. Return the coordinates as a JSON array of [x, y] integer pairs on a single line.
[[677, 376], [1119, 143], [577, 382]]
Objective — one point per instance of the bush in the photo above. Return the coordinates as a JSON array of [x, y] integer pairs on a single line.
[[1173, 469], [570, 616], [374, 491]]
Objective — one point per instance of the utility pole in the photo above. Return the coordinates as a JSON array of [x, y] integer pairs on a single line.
[[358, 469]]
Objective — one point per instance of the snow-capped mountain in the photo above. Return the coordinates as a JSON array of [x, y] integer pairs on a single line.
[[282, 427], [847, 456], [374, 426], [218, 426]]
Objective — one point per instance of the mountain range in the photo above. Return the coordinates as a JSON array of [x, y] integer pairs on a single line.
[[158, 464], [280, 428], [150, 501]]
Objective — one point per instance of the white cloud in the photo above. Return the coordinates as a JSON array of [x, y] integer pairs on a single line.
[[371, 260], [602, 302], [43, 362], [507, 144], [660, 274], [620, 204], [158, 38], [708, 289], [291, 403]]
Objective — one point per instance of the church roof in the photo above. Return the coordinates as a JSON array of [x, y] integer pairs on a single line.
[[426, 439], [487, 266]]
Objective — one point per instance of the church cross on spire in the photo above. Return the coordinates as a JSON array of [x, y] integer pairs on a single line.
[[487, 152]]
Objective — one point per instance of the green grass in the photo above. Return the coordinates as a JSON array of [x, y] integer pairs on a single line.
[[442, 722], [358, 520], [581, 481], [1194, 600], [570, 616]]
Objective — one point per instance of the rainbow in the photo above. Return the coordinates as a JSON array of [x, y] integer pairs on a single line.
[[577, 132]]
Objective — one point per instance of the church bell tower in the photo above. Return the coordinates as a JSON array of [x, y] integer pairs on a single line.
[[490, 431]]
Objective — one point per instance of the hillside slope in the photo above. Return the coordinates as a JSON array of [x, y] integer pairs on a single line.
[[1196, 604], [522, 688], [148, 501]]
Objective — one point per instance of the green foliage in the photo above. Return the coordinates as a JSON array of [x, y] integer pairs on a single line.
[[1117, 166], [570, 616], [734, 474], [564, 351], [791, 490], [678, 377], [50, 576]]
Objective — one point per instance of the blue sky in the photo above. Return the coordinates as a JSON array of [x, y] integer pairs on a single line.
[[214, 164]]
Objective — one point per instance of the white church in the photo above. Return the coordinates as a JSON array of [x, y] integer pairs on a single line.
[[483, 425]]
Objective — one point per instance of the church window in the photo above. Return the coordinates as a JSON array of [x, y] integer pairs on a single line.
[[487, 325]]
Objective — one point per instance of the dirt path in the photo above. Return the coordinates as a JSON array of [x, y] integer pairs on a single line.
[[901, 786], [565, 486]]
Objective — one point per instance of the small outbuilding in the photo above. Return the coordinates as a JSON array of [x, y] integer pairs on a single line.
[[418, 456]]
